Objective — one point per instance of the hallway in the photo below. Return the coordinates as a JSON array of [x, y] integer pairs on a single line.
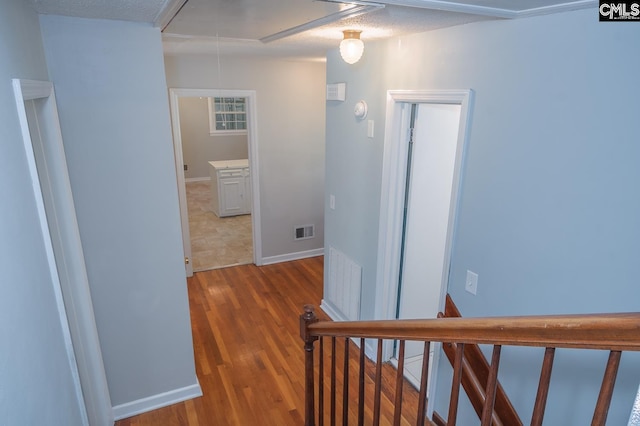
[[249, 355]]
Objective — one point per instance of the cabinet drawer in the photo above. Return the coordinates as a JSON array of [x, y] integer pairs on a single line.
[[229, 173]]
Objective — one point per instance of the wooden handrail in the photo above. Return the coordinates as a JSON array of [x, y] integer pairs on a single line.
[[615, 333], [618, 331]]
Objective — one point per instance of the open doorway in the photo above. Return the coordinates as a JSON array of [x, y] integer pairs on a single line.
[[215, 144]]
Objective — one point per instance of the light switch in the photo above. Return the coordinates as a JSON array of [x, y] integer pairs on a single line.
[[370, 126], [471, 284], [332, 202]]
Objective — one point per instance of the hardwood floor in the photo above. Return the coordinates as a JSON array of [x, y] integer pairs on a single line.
[[249, 356]]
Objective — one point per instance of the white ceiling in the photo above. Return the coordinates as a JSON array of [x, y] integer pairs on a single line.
[[310, 27]]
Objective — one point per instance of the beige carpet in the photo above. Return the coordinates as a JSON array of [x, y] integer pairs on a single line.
[[216, 242]]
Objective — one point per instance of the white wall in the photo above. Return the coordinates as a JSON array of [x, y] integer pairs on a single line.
[[35, 372], [198, 146], [291, 111], [550, 200], [114, 115]]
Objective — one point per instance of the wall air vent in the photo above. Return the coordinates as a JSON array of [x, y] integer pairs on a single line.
[[304, 232], [336, 91]]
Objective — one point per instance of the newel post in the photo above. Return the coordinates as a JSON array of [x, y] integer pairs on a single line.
[[306, 319]]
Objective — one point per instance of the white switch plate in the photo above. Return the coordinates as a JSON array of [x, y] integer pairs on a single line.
[[471, 284], [370, 126], [332, 202]]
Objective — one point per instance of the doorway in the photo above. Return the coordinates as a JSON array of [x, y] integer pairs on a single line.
[[424, 151], [198, 194], [38, 114]]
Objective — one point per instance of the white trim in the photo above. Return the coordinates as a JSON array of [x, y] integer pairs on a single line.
[[199, 179], [393, 176], [228, 133], [73, 297], [292, 256], [252, 127], [392, 196], [167, 13], [154, 402], [496, 12], [557, 8], [330, 309]]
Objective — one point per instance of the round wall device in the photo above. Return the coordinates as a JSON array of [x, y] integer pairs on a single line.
[[360, 110]]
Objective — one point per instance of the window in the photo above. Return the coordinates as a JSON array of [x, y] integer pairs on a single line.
[[227, 115]]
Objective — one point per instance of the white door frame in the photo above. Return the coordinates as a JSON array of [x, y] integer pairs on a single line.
[[252, 126], [392, 197], [62, 240]]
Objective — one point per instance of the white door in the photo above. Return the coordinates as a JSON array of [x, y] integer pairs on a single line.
[[45, 153], [429, 218]]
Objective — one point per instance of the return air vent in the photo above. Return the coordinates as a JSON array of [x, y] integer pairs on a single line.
[[304, 232], [336, 91]]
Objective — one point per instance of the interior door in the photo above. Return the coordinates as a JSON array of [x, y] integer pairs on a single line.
[[429, 219]]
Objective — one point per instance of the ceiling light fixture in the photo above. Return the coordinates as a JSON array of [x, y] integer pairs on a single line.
[[351, 47]]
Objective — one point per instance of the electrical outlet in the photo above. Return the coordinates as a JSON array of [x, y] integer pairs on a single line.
[[186, 167], [471, 284]]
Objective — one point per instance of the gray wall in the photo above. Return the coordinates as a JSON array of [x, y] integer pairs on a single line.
[[198, 146], [291, 110], [114, 114], [37, 385], [550, 201]]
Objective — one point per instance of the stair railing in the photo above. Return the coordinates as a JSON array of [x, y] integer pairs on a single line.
[[475, 373], [615, 333]]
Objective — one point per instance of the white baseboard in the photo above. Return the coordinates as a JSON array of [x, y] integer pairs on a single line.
[[292, 256], [200, 179], [331, 310], [156, 401]]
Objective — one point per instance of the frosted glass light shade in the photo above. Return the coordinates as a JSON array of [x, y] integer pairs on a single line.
[[351, 48]]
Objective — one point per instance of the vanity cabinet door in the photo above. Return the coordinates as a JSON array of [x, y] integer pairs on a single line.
[[232, 196]]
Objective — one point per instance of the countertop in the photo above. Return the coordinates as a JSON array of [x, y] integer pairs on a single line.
[[229, 164]]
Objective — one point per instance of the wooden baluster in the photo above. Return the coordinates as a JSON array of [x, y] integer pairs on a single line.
[[306, 319], [492, 383], [361, 386], [321, 384], [606, 390], [397, 409], [422, 397], [455, 385], [543, 387], [378, 386], [345, 385], [332, 421]]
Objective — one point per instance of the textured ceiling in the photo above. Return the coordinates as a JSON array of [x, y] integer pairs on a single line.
[[236, 26], [379, 24], [124, 10]]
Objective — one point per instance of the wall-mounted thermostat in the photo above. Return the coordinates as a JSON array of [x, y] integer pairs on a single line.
[[360, 110], [336, 91]]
